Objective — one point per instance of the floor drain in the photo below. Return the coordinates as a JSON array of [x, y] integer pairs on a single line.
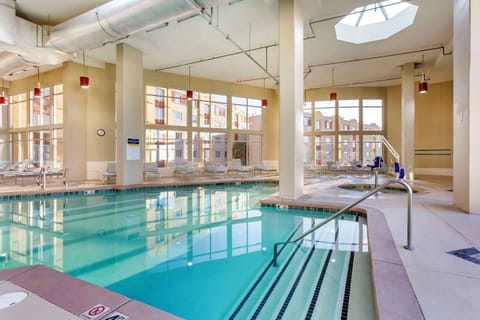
[[12, 298], [470, 254]]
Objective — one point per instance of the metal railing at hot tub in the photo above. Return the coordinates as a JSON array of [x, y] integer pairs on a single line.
[[409, 245]]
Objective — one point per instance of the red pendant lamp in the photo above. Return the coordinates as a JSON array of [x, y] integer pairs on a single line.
[[84, 80], [189, 91], [264, 100], [423, 85], [37, 91], [3, 98], [333, 95]]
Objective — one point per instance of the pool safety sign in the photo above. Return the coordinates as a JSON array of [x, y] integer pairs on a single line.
[[133, 149], [95, 312]]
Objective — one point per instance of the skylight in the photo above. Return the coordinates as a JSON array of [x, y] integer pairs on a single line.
[[376, 21]]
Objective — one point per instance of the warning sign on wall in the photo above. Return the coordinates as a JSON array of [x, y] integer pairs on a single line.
[[95, 312]]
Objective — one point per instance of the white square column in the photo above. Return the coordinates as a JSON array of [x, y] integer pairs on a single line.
[[466, 105], [130, 110], [291, 99], [408, 120]]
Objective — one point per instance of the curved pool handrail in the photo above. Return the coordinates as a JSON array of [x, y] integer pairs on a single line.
[[409, 245]]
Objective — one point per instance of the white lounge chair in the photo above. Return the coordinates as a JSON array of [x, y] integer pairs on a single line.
[[186, 168], [110, 172], [150, 170], [263, 168], [215, 168], [236, 166], [334, 168]]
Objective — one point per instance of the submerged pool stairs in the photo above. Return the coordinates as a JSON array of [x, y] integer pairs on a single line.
[[311, 281]]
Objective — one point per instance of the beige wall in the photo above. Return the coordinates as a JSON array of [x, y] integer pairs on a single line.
[[433, 126], [393, 117], [101, 113]]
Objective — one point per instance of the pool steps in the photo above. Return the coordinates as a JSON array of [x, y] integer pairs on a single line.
[[302, 284]]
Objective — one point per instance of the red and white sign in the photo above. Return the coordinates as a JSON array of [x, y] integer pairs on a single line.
[[95, 312]]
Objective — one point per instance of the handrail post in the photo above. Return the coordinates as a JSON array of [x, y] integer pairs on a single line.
[[65, 178], [409, 245]]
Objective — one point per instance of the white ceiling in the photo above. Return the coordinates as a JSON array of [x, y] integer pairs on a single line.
[[254, 23]]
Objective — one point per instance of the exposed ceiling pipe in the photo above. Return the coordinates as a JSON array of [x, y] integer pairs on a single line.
[[381, 56], [208, 18], [214, 58], [118, 19], [12, 63]]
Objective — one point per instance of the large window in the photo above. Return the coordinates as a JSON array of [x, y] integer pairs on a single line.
[[348, 114], [324, 149], [209, 110], [307, 117], [36, 126], [247, 148], [372, 146], [325, 115], [165, 106], [209, 146], [348, 148], [372, 114], [18, 111], [209, 134], [164, 146], [344, 131], [246, 114], [40, 111]]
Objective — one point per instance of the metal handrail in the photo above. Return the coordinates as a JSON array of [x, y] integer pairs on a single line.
[[42, 178], [65, 177], [409, 245], [391, 149]]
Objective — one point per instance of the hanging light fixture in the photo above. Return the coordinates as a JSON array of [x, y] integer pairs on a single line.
[[264, 100], [84, 80], [333, 95], [3, 98], [37, 91], [189, 91], [423, 85]]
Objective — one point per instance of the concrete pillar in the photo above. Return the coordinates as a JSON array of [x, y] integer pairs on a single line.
[[408, 120], [130, 109], [291, 99], [466, 105]]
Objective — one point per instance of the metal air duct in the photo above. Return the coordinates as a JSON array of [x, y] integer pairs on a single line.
[[12, 63], [7, 22], [118, 19]]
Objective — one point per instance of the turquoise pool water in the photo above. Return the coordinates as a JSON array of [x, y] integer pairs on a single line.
[[197, 252]]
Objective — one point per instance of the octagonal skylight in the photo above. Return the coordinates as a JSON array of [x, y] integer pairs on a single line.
[[376, 21]]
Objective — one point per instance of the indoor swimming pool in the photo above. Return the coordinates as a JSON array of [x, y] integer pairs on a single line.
[[199, 252]]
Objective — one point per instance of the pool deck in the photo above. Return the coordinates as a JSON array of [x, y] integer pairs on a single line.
[[442, 286]]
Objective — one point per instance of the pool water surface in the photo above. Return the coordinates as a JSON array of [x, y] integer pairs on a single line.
[[196, 252]]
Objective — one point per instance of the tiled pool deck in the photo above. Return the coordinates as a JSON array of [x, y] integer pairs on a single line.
[[440, 286]]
